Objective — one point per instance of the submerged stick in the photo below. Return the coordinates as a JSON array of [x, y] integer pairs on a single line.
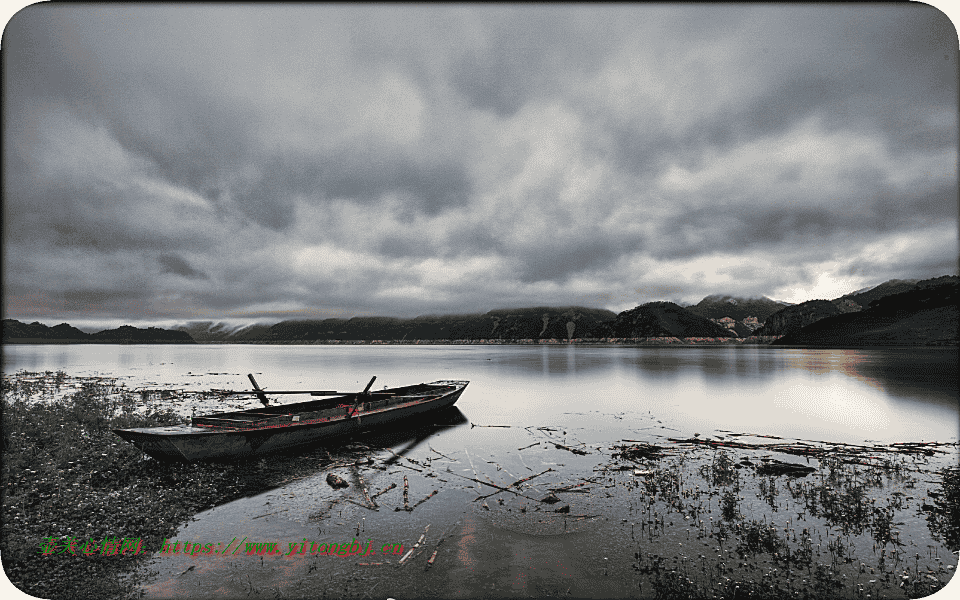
[[415, 546], [430, 495], [436, 548], [384, 490]]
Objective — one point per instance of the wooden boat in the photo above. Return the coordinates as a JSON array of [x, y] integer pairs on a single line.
[[277, 427]]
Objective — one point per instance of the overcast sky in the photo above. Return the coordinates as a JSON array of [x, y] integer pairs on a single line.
[[171, 163]]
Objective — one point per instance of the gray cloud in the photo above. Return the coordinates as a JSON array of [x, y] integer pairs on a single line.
[[171, 161]]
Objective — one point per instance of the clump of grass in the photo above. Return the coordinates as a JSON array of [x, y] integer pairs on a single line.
[[944, 517], [721, 471], [729, 505], [756, 537]]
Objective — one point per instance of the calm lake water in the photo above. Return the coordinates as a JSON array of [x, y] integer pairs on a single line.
[[522, 401], [833, 395]]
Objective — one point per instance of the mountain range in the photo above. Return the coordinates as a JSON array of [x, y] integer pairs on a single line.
[[37, 333], [896, 312]]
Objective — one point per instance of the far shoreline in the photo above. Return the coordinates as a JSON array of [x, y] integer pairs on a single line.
[[656, 342]]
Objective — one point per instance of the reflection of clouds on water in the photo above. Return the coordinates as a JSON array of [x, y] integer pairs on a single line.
[[839, 402]]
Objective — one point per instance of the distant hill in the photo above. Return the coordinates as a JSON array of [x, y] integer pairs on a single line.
[[902, 311], [126, 334], [15, 332], [792, 318], [660, 319], [502, 324], [742, 316], [738, 309], [926, 315], [863, 298]]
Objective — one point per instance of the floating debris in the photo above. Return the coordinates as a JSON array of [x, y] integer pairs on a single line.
[[639, 451], [775, 467]]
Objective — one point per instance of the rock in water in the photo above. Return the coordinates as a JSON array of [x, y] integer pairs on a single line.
[[550, 499], [336, 482]]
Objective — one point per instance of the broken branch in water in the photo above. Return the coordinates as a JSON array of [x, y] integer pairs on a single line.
[[574, 450], [363, 487]]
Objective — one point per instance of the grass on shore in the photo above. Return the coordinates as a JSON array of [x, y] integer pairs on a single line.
[[67, 475]]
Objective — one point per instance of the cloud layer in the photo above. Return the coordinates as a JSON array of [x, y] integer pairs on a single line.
[[166, 163]]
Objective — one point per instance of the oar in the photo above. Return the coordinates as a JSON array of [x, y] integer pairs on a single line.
[[357, 402], [260, 394]]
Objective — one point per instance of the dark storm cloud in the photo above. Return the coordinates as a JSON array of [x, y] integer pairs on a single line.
[[176, 159], [172, 263]]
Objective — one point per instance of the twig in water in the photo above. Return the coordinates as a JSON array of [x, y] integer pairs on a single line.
[[443, 536], [430, 495], [384, 490], [415, 546], [443, 455]]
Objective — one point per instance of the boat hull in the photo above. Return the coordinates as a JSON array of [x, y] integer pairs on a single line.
[[191, 443]]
